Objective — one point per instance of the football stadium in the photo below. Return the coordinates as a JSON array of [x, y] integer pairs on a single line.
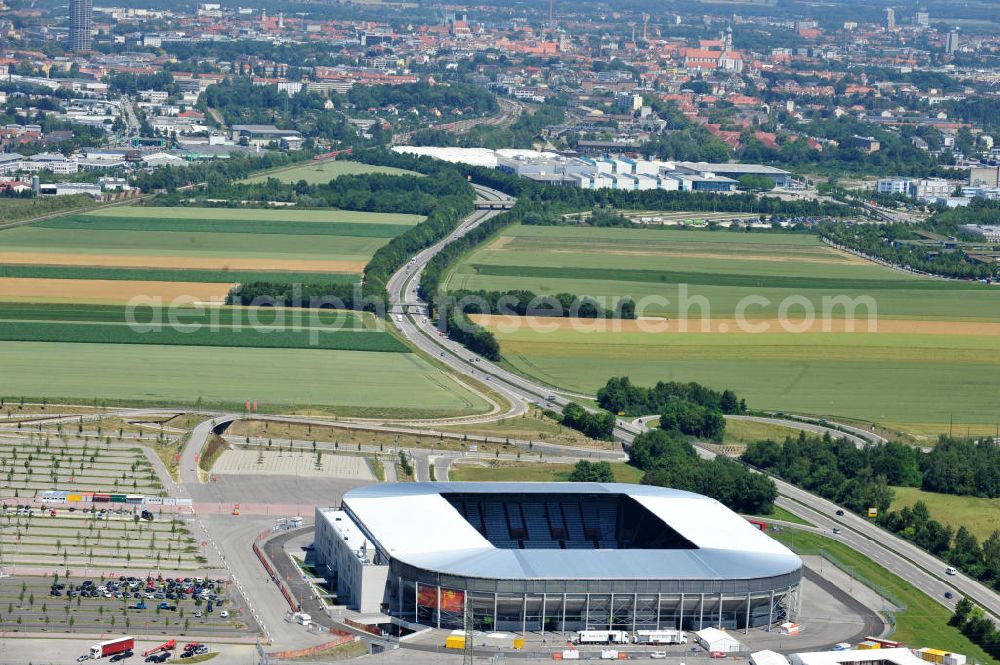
[[553, 557]]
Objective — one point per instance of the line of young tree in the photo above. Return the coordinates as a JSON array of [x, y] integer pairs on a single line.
[[977, 626], [669, 460], [897, 243], [863, 478]]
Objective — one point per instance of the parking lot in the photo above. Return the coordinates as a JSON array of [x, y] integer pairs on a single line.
[[138, 604]]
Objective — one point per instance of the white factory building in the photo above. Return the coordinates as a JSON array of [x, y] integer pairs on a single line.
[[607, 172]]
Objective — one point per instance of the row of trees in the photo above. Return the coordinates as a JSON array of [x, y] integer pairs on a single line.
[[471, 335], [954, 466], [216, 173], [670, 461], [369, 192], [521, 302], [619, 395]]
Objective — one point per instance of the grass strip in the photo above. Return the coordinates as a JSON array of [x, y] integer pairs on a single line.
[[223, 316], [275, 338], [194, 225], [174, 275], [718, 279]]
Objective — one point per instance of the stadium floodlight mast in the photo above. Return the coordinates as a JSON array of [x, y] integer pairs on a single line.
[[468, 655]]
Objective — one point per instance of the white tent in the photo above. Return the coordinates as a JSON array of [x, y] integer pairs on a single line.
[[767, 657], [713, 639]]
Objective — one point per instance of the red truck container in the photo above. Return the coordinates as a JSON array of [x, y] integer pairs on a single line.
[[111, 647]]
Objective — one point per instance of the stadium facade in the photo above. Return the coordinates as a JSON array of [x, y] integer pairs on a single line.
[[553, 556]]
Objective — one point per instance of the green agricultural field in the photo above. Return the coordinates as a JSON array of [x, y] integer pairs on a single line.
[[173, 274], [934, 354], [533, 472], [276, 337], [722, 267], [254, 214], [322, 172], [887, 378], [200, 245], [225, 316], [287, 380], [979, 515], [51, 242]]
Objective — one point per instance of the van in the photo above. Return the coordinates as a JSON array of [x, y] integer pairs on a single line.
[[951, 570]]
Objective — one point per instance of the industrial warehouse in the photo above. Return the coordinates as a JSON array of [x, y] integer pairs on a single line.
[[553, 557]]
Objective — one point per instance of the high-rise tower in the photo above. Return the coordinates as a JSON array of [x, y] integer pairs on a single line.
[[81, 24], [890, 19]]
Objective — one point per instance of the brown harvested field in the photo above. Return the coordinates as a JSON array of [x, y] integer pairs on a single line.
[[108, 290], [731, 325], [179, 262]]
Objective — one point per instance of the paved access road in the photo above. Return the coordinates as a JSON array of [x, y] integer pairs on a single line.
[[905, 559]]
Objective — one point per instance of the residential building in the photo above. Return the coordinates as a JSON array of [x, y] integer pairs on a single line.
[[893, 186], [952, 44], [927, 189], [890, 19], [868, 144], [81, 24], [984, 176]]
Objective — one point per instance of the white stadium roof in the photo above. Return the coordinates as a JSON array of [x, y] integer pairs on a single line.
[[414, 524]]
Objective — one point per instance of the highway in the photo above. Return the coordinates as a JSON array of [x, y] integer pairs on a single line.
[[901, 557]]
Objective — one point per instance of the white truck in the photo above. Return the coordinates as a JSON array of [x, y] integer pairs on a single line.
[[660, 637], [601, 637]]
